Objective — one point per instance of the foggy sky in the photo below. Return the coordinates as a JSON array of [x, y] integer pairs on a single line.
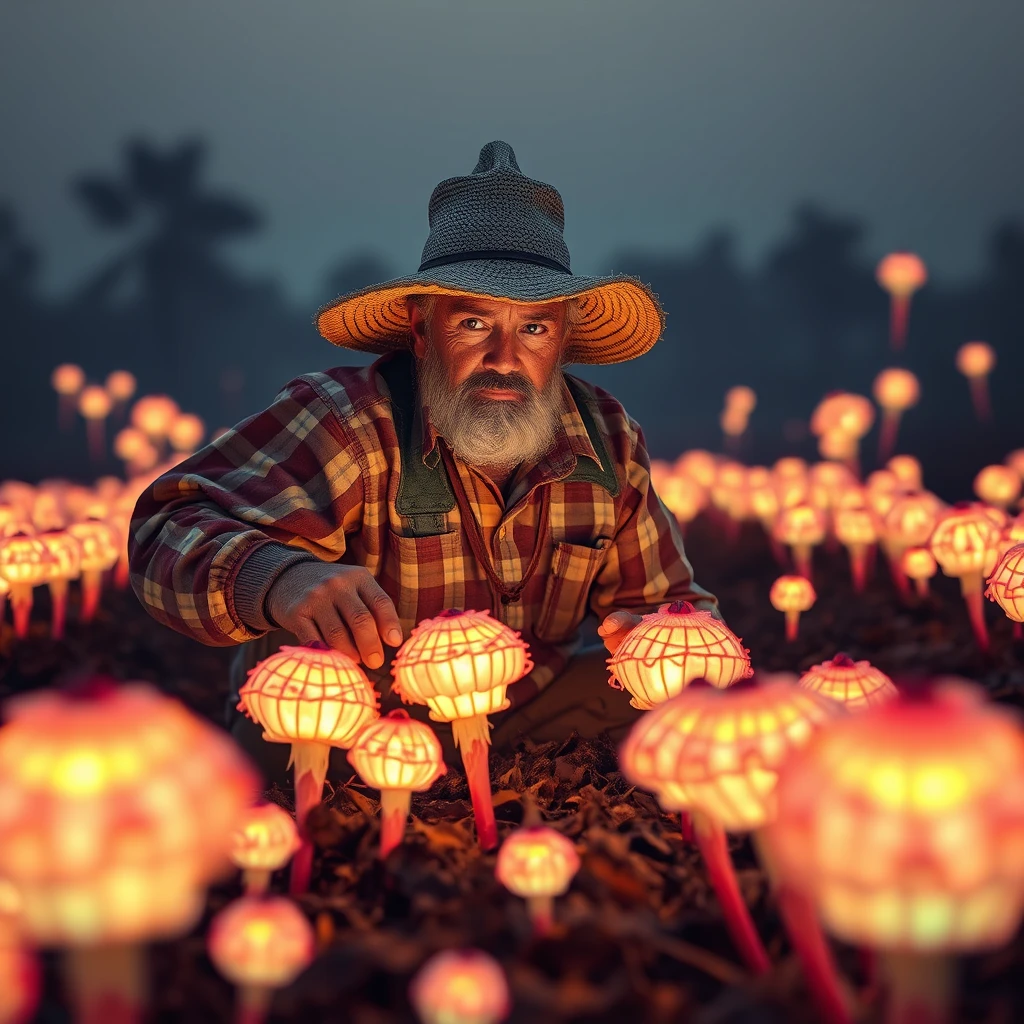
[[656, 120]]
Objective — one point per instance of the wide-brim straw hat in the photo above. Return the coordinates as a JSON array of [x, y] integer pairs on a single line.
[[499, 234]]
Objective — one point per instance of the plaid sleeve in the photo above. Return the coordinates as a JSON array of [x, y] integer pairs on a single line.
[[209, 536], [646, 564]]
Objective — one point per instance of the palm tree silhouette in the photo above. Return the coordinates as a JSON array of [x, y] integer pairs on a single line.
[[176, 228]]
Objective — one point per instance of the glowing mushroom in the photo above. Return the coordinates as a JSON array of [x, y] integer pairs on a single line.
[[881, 489], [843, 418], [670, 648], [460, 986], [460, 664], [792, 595], [907, 470], [854, 684], [94, 404], [399, 756], [908, 524], [998, 485], [904, 825], [186, 432], [1006, 586], [120, 385], [313, 698], [117, 811], [67, 552], [260, 944], [25, 563], [919, 565], [792, 481], [975, 360], [857, 532], [802, 527], [683, 497], [153, 415], [538, 864], [896, 390], [67, 380], [263, 842], [1015, 460], [900, 274], [99, 552], [699, 464]]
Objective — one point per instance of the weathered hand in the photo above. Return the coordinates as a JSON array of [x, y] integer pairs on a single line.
[[615, 627], [342, 605]]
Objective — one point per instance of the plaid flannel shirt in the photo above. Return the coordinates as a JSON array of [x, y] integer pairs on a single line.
[[316, 476]]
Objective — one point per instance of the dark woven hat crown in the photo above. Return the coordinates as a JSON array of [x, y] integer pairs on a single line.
[[496, 212]]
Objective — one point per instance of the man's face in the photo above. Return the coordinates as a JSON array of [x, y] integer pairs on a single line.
[[490, 374]]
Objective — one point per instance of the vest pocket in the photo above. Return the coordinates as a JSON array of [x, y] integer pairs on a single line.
[[573, 568], [422, 575]]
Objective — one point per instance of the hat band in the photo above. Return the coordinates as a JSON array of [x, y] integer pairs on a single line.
[[495, 254]]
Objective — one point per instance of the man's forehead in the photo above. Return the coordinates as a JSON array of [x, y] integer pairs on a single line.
[[482, 307]]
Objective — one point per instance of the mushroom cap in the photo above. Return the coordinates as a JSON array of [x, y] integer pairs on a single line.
[[908, 471], [975, 358], [845, 412], [896, 389], [670, 648], [918, 563], [998, 485], [121, 385], [67, 379], [264, 839], [1006, 584], [116, 810], [460, 986], [66, 548], [911, 519], [855, 526], [792, 594], [854, 684], [698, 464], [901, 273], [719, 751], [27, 560], [99, 543], [905, 823], [800, 524], [965, 539], [537, 861], [262, 941], [154, 414], [186, 432], [309, 694], [397, 752], [459, 664]]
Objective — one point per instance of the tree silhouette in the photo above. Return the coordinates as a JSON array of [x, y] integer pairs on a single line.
[[352, 272], [176, 229], [19, 262]]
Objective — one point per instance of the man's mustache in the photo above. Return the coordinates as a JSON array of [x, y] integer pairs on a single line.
[[492, 379]]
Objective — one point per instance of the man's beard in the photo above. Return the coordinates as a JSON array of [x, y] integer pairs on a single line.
[[491, 432]]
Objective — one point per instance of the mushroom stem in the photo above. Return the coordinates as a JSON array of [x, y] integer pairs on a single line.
[[859, 566], [310, 763], [92, 586], [979, 398], [252, 1005], [59, 602], [802, 560], [921, 583], [920, 987], [542, 914], [471, 736], [394, 812], [686, 826], [792, 624], [711, 841], [899, 314], [108, 983], [971, 589], [21, 608], [256, 881], [887, 433], [121, 578], [1018, 631]]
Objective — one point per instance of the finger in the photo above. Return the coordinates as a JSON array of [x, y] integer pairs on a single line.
[[614, 622], [363, 627], [335, 633], [305, 631], [389, 626]]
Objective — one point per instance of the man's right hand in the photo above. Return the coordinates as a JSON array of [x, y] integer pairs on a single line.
[[342, 605]]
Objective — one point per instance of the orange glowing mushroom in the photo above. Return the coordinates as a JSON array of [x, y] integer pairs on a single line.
[[1015, 460], [857, 531], [998, 485], [683, 497], [67, 551], [919, 565], [154, 414], [99, 552], [117, 813], [1006, 586], [904, 826], [896, 390], [67, 380], [976, 360], [312, 698], [802, 527], [538, 864], [186, 432], [908, 524], [460, 986], [263, 842], [399, 756], [840, 420], [94, 404], [900, 274], [854, 684], [699, 464], [121, 386], [734, 425], [908, 471], [881, 489], [792, 595], [260, 944], [25, 563], [964, 542], [460, 664], [741, 398]]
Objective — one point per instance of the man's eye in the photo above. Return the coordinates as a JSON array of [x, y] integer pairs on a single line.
[[540, 329], [471, 322]]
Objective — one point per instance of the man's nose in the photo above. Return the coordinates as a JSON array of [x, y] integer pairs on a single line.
[[502, 350]]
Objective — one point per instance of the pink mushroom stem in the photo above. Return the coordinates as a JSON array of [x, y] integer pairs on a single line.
[[309, 761], [542, 914], [59, 603], [478, 776], [887, 434], [394, 812], [971, 588], [859, 566], [97, 439], [802, 560], [919, 988], [252, 1004], [792, 625], [92, 587], [711, 841], [980, 399], [108, 984], [121, 571], [921, 585], [21, 608], [899, 578], [1018, 631], [899, 315]]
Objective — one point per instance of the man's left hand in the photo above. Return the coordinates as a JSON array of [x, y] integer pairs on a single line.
[[615, 627]]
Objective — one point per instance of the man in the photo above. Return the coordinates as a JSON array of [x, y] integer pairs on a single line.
[[462, 469]]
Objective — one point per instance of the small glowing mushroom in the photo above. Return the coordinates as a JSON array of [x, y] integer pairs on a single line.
[[699, 464], [186, 432], [460, 664], [975, 360], [900, 274], [99, 552], [963, 543], [1015, 460], [25, 563], [683, 497], [741, 398], [854, 684], [919, 565], [896, 390], [260, 944], [881, 489], [843, 418], [120, 385], [67, 551], [734, 424], [153, 415], [998, 485], [730, 494], [399, 756], [904, 826], [908, 471], [537, 864], [94, 404], [856, 530], [67, 380], [117, 813], [129, 443], [803, 528], [460, 986], [908, 524], [792, 595], [670, 648], [263, 842], [313, 698], [1006, 586]]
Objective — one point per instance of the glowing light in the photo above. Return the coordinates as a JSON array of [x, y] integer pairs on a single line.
[[855, 685], [186, 432], [998, 485], [1006, 584], [803, 528], [121, 385], [976, 360], [154, 414], [537, 864], [792, 595], [463, 986], [900, 274], [264, 840]]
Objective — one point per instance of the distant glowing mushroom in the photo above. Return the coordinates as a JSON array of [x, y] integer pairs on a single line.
[[153, 415], [117, 812], [399, 756], [742, 398], [998, 485], [963, 543], [538, 864], [854, 684], [802, 528], [904, 826], [460, 664], [908, 524], [670, 648], [1006, 586], [900, 274], [908, 471], [186, 432], [99, 552], [895, 391], [1015, 460], [699, 464], [67, 380], [263, 842], [919, 565], [121, 385], [313, 698], [260, 944], [881, 489], [792, 595], [460, 986], [94, 404], [975, 360], [25, 563], [67, 551], [844, 418], [683, 497], [856, 530]]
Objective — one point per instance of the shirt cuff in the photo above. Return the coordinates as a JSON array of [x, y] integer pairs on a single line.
[[256, 575]]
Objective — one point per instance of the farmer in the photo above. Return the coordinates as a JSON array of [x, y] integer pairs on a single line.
[[462, 469]]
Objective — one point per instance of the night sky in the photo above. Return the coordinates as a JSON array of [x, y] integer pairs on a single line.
[[656, 120]]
